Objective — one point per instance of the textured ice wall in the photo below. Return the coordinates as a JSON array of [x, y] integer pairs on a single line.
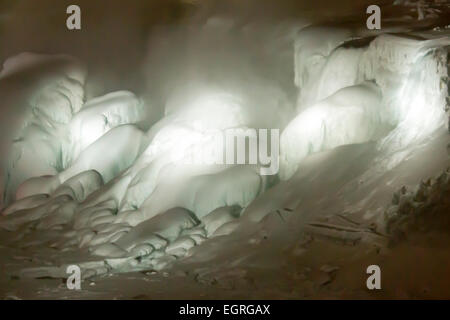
[[351, 115], [336, 108], [100, 115], [410, 73], [39, 95], [316, 66]]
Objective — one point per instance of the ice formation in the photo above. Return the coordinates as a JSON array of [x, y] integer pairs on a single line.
[[94, 175], [51, 91], [354, 95]]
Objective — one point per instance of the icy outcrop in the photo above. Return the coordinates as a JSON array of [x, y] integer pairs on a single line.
[[352, 115], [410, 98], [166, 226], [39, 94], [161, 179], [38, 185], [26, 203], [18, 218], [312, 50], [80, 186], [102, 114], [217, 218], [411, 82], [119, 158], [51, 127]]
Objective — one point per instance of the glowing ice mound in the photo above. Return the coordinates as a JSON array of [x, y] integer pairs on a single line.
[[159, 180], [352, 115], [101, 114], [116, 160], [410, 98], [409, 73]]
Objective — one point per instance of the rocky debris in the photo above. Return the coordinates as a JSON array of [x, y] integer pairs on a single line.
[[420, 209]]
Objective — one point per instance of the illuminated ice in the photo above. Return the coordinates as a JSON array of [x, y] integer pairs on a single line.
[[115, 188]]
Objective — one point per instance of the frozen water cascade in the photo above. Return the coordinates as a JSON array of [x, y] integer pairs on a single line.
[[407, 94], [90, 176]]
